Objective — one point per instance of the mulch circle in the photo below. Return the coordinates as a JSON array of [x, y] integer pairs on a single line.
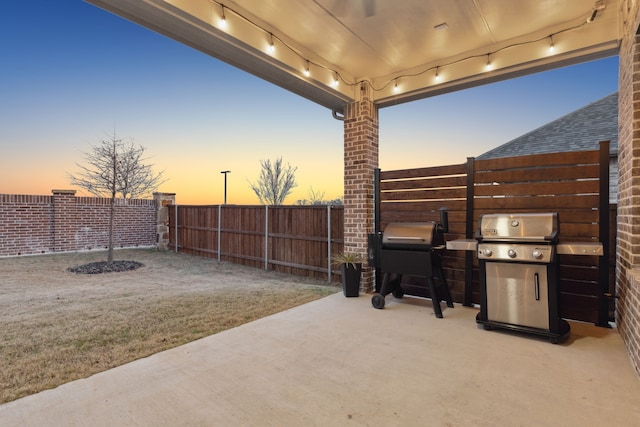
[[105, 267]]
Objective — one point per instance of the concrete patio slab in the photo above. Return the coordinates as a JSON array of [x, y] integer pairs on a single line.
[[338, 361]]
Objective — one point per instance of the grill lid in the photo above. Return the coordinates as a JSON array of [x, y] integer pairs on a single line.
[[532, 227], [412, 235]]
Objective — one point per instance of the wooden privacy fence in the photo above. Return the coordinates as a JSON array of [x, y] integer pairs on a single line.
[[297, 240], [573, 184]]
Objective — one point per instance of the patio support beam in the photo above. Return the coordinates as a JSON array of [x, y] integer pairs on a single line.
[[628, 232], [360, 161]]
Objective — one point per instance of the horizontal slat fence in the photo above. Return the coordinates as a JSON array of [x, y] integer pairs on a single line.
[[573, 184], [295, 240]]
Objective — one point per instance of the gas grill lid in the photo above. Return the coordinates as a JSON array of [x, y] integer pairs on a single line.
[[522, 227], [412, 236]]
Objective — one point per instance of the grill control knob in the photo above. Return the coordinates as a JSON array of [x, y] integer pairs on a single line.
[[537, 254], [487, 252], [512, 253]]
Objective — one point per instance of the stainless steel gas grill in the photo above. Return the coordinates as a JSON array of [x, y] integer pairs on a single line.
[[414, 249], [517, 255]]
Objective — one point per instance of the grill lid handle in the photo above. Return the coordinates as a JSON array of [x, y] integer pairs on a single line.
[[406, 238]]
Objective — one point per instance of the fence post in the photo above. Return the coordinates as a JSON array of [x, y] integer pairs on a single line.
[[468, 256], [219, 230], [266, 237], [377, 212], [328, 243], [603, 266], [176, 228]]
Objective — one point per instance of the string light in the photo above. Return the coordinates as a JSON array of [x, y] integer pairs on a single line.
[[271, 47], [394, 80], [223, 18]]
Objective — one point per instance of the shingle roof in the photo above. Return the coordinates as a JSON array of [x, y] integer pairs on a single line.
[[580, 130]]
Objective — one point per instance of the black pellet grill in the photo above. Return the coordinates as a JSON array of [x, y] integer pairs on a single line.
[[413, 249]]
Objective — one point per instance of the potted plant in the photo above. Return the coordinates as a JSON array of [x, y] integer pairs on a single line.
[[351, 269]]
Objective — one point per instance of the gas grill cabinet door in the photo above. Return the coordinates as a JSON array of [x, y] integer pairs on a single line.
[[518, 294]]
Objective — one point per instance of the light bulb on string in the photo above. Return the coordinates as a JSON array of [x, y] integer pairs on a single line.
[[223, 19], [335, 81], [306, 71], [437, 77], [271, 47], [552, 47], [396, 89], [489, 65]]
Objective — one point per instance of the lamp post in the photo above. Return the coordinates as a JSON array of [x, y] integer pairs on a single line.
[[225, 185]]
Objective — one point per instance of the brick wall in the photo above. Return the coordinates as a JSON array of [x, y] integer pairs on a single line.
[[63, 222], [628, 245], [360, 160]]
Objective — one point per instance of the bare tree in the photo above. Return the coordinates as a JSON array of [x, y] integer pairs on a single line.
[[314, 198], [116, 167], [275, 183]]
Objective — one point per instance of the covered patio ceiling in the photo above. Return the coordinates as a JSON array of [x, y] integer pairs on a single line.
[[324, 50]]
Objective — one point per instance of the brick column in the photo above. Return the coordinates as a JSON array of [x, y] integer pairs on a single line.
[[64, 220], [628, 232], [163, 200], [360, 160]]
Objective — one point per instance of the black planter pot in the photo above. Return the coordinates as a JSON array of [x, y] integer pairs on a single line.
[[351, 279]]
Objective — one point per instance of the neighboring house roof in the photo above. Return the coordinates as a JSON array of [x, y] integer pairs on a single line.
[[580, 130]]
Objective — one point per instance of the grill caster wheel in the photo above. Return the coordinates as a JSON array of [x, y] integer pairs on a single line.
[[377, 301], [553, 340], [487, 327], [398, 293]]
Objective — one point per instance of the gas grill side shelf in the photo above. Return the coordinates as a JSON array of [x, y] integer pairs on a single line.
[[462, 245]]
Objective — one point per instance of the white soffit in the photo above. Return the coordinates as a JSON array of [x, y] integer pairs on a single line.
[[396, 46]]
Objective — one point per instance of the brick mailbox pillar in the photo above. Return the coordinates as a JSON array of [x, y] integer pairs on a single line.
[[163, 201], [360, 160]]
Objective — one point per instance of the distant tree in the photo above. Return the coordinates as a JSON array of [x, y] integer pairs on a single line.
[[116, 167], [275, 182], [317, 198], [314, 198]]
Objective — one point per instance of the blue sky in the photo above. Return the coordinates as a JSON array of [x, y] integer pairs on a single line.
[[71, 73]]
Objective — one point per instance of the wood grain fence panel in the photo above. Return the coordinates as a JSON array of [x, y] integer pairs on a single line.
[[433, 171], [556, 173], [417, 196], [433, 194], [298, 236], [537, 189], [533, 203], [539, 160], [409, 184]]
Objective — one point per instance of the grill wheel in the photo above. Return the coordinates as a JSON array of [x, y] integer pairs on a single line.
[[377, 301]]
